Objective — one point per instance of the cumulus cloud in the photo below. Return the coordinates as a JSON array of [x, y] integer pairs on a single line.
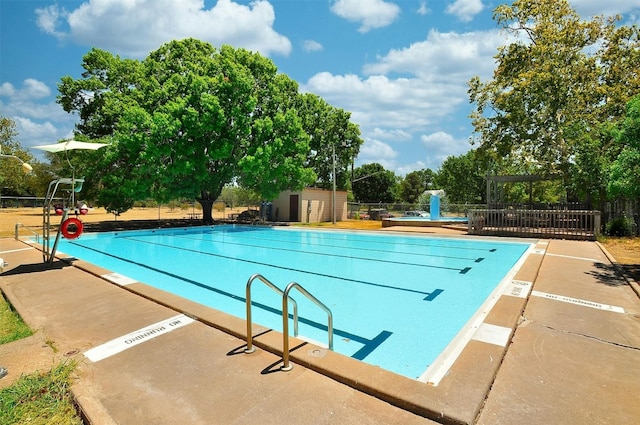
[[373, 150], [450, 56], [136, 27], [589, 8], [371, 14], [465, 10], [423, 9], [410, 93], [440, 145], [311, 46], [38, 119], [31, 89]]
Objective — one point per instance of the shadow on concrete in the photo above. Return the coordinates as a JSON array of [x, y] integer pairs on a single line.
[[608, 274], [37, 268]]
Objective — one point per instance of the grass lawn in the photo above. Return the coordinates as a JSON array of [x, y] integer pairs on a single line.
[[40, 398], [12, 327]]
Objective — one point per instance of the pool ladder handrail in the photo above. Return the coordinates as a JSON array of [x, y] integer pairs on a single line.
[[286, 366], [250, 348], [17, 232], [285, 321]]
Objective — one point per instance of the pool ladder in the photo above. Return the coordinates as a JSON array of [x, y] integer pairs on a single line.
[[285, 316]]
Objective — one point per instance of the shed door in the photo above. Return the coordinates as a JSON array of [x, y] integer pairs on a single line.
[[293, 208]]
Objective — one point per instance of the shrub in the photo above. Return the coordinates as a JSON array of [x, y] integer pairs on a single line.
[[620, 226]]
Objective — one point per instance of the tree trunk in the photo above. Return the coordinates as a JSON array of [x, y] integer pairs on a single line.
[[207, 207]]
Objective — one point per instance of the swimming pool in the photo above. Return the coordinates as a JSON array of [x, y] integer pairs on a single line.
[[397, 301]]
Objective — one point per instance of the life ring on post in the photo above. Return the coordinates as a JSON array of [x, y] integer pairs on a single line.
[[71, 228]]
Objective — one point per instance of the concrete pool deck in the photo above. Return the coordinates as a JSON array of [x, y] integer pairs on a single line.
[[572, 359]]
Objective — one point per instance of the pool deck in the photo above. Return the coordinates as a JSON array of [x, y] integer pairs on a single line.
[[573, 355]]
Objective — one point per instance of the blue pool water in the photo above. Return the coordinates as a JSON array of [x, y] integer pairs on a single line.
[[397, 301]]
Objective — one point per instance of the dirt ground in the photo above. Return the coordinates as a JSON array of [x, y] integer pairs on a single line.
[[626, 251], [32, 217]]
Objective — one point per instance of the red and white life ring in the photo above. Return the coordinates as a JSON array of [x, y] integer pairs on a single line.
[[71, 228]]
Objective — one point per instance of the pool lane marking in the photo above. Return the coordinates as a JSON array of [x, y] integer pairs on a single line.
[[228, 294], [221, 238], [326, 254], [134, 338], [439, 368], [119, 279], [577, 301], [290, 241], [429, 266], [460, 244]]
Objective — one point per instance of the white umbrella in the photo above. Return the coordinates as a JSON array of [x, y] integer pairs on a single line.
[[70, 145]]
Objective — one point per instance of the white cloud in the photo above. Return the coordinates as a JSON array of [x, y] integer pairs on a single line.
[[31, 89], [423, 9], [411, 92], [465, 10], [396, 135], [375, 151], [38, 119], [589, 8], [136, 27], [453, 57], [7, 89], [370, 13], [440, 145], [311, 46]]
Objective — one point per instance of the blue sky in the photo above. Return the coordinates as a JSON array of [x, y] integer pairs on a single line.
[[400, 67]]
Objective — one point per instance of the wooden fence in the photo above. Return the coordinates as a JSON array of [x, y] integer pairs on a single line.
[[562, 224]]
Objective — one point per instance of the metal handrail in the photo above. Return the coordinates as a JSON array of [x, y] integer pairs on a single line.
[[19, 225], [250, 348], [285, 321]]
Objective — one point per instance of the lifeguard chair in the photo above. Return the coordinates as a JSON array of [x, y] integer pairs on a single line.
[[70, 227]]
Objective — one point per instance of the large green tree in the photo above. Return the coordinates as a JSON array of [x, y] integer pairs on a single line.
[[330, 132], [372, 183], [463, 179], [625, 170], [415, 183], [187, 120], [552, 91]]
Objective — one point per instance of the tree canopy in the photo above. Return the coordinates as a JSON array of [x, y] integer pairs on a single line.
[[625, 170], [553, 92], [13, 181], [189, 119], [463, 179], [372, 183]]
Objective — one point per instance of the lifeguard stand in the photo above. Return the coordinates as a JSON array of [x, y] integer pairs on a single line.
[[70, 227], [72, 185]]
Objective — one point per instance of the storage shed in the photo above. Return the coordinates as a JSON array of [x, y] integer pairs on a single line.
[[310, 205]]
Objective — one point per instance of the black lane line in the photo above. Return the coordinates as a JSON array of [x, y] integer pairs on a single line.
[[355, 239], [379, 285], [403, 263], [415, 254], [339, 332], [459, 246], [462, 271]]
